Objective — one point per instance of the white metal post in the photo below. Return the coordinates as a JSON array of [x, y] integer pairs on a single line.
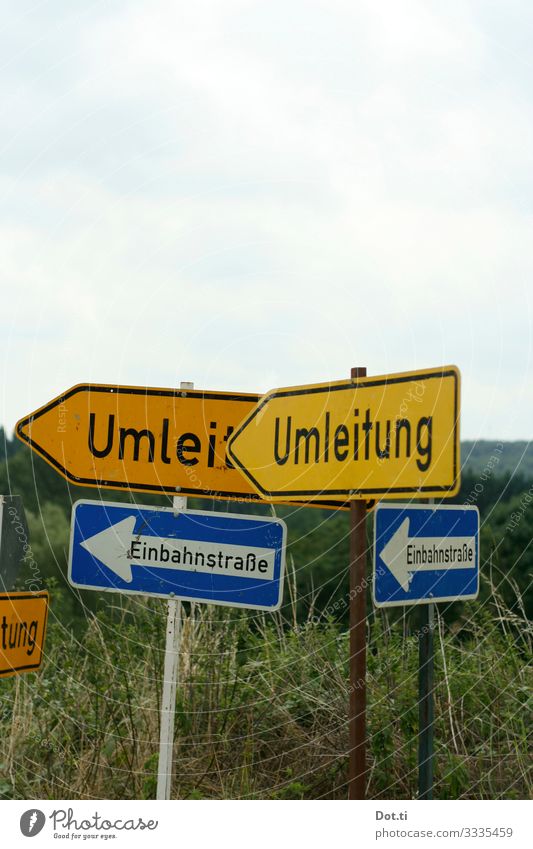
[[170, 677]]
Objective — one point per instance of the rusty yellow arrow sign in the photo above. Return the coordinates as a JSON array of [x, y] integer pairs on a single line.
[[139, 438], [366, 437]]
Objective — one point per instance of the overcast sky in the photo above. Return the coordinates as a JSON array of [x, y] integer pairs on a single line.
[[257, 194]]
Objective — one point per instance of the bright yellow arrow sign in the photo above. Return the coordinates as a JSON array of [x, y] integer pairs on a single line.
[[365, 437]]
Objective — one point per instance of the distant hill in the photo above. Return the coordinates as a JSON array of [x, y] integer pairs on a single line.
[[8, 446], [500, 457], [495, 477]]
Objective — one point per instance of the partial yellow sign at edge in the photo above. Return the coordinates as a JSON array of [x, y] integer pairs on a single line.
[[23, 620]]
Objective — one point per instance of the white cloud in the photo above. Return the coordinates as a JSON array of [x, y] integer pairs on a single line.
[[249, 194]]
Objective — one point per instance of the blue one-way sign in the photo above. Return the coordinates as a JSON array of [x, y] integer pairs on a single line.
[[424, 553], [193, 555]]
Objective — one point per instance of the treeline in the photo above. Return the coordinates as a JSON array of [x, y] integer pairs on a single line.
[[512, 458], [318, 552]]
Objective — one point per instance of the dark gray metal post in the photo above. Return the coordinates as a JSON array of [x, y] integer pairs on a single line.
[[426, 706], [13, 540]]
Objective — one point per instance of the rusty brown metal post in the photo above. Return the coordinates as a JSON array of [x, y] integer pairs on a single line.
[[357, 706]]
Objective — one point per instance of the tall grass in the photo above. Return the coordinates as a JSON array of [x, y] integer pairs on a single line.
[[262, 708]]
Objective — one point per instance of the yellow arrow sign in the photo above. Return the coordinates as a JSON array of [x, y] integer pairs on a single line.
[[143, 439], [365, 437], [22, 631]]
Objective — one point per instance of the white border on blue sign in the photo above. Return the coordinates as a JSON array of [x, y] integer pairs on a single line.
[[406, 505], [168, 596]]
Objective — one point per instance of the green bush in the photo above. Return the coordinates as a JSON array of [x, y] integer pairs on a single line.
[[262, 708]]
